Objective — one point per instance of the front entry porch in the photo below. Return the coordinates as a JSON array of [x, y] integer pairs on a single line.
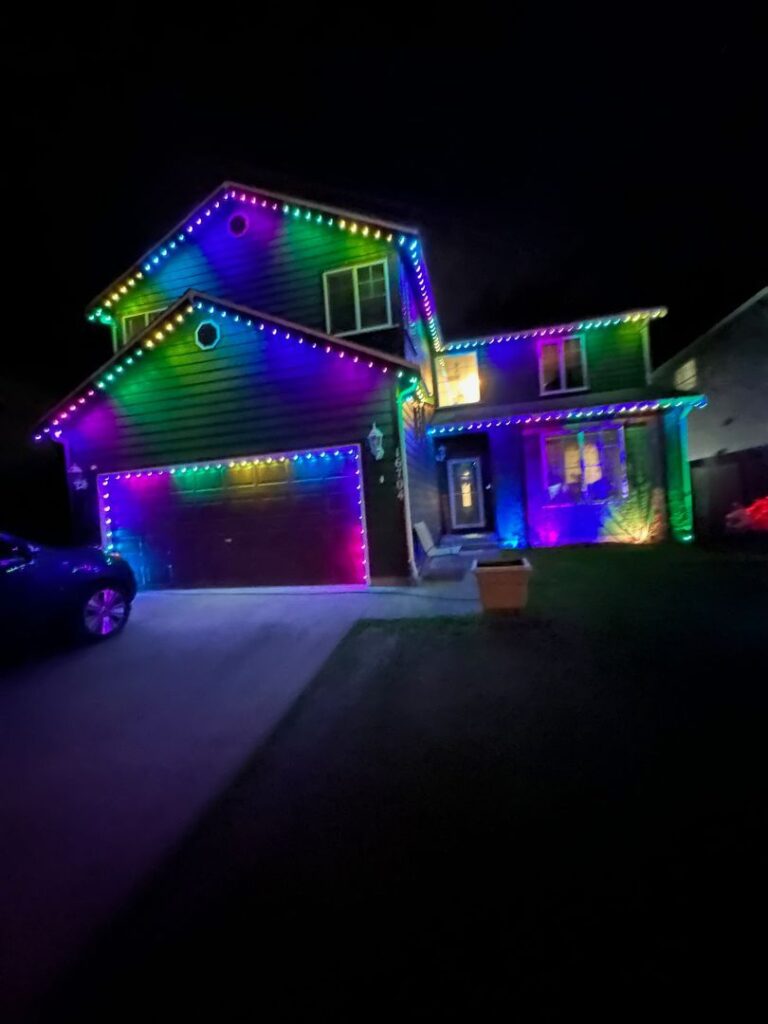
[[564, 479]]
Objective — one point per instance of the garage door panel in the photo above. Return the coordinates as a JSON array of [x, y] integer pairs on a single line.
[[276, 520]]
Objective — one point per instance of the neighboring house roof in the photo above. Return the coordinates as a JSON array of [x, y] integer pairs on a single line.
[[405, 239], [626, 402], [58, 417], [691, 349], [590, 323]]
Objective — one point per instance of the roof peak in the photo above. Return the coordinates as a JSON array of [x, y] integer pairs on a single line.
[[355, 215], [166, 323]]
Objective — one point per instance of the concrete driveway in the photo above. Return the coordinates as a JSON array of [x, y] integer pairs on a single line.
[[109, 754]]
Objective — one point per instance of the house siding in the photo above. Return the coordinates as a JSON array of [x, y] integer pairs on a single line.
[[251, 394], [508, 464], [732, 371], [423, 492], [509, 370], [276, 266], [417, 346]]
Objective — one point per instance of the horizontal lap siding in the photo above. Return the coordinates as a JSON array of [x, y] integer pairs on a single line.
[[423, 492], [615, 357], [277, 267], [251, 394], [509, 371], [638, 518]]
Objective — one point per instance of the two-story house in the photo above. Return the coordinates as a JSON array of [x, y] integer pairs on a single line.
[[728, 446], [281, 408]]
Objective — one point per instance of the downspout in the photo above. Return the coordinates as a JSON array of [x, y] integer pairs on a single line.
[[401, 399]]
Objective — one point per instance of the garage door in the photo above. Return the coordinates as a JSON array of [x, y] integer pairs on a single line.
[[269, 520]]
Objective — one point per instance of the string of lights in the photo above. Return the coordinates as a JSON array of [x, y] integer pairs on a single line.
[[610, 320], [108, 482], [132, 356], [588, 412], [104, 310]]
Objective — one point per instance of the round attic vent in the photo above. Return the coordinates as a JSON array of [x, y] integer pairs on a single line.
[[238, 224], [207, 335]]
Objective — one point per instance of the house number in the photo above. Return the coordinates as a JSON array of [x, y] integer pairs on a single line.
[[399, 482]]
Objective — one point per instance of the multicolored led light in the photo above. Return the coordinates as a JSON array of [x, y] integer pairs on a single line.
[[558, 415], [325, 216], [610, 320], [108, 513], [193, 303]]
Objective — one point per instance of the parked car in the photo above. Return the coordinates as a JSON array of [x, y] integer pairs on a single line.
[[86, 590]]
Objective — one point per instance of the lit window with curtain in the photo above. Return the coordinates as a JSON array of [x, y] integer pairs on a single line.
[[458, 379], [586, 466]]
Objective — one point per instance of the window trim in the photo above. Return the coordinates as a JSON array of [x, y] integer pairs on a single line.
[[546, 435], [138, 312], [690, 382], [207, 323], [354, 267], [560, 340]]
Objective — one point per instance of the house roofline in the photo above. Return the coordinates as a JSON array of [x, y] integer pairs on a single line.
[[522, 414], [135, 270], [189, 298], [587, 323], [337, 211], [692, 346]]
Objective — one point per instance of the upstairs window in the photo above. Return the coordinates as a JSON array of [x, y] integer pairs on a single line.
[[686, 376], [458, 380], [589, 466], [562, 365], [357, 299], [134, 324]]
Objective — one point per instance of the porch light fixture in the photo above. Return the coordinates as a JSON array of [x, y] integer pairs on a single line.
[[375, 439]]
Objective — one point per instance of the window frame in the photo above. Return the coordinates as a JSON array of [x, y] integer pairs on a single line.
[[690, 381], [560, 342], [623, 490], [441, 359], [151, 313], [354, 267]]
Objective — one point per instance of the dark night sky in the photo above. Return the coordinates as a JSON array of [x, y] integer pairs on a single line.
[[554, 174]]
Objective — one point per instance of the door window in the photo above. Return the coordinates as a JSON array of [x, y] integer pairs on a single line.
[[465, 488]]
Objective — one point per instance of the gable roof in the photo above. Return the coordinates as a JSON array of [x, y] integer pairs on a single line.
[[405, 239], [690, 350], [606, 320], [57, 418]]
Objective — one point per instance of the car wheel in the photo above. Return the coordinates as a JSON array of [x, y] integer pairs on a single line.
[[104, 612]]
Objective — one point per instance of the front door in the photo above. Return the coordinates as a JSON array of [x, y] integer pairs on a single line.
[[465, 493]]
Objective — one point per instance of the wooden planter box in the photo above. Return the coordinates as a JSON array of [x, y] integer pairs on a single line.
[[503, 585]]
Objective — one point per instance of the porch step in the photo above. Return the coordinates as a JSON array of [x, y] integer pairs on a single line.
[[469, 541]]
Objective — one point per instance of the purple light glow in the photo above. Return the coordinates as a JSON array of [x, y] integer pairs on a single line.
[[127, 501]]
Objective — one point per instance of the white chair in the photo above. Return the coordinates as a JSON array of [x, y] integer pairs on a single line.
[[430, 548]]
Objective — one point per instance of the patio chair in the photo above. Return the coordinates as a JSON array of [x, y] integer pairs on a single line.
[[430, 548]]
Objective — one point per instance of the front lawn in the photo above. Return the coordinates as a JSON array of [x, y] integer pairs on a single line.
[[528, 817]]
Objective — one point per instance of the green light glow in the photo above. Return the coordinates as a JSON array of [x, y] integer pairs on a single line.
[[679, 496]]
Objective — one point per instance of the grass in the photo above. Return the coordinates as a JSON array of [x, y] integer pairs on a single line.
[[474, 816]]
